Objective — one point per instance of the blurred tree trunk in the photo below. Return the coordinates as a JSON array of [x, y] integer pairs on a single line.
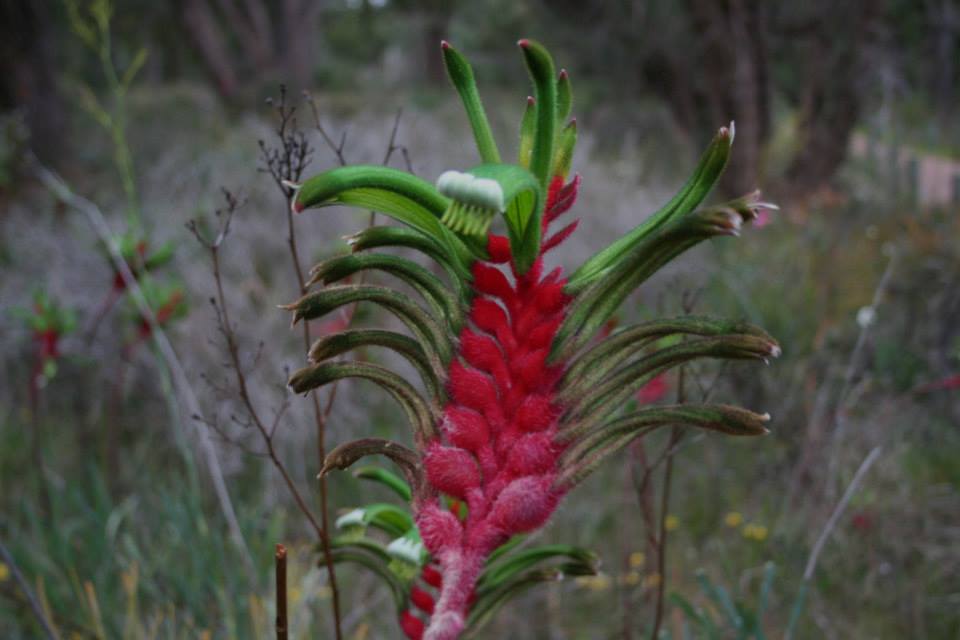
[[436, 24], [255, 40], [833, 62], [27, 73], [733, 56]]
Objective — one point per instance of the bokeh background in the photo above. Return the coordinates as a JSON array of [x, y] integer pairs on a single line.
[[846, 114]]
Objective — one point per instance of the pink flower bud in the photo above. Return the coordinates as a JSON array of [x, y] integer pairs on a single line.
[[439, 529], [531, 454], [465, 428], [535, 413], [524, 505], [471, 388], [451, 470]]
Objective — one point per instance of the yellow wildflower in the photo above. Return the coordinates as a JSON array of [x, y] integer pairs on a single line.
[[651, 581], [756, 532], [4, 572], [733, 519], [631, 579], [599, 582], [637, 558], [294, 594], [672, 522]]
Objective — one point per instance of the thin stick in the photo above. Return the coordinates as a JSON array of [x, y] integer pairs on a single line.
[[287, 164], [676, 433], [233, 350], [28, 592], [99, 223], [853, 368], [825, 534], [281, 564]]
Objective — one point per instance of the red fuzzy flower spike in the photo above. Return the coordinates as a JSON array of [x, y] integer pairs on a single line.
[[502, 401]]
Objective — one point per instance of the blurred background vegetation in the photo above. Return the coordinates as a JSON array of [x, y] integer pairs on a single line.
[[847, 115]]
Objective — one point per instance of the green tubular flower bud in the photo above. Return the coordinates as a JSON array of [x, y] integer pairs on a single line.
[[564, 97], [595, 303], [461, 75], [335, 344], [430, 287], [595, 445], [540, 65], [528, 129], [563, 156], [692, 193], [418, 411], [434, 338], [390, 236], [398, 194], [386, 478], [609, 353]]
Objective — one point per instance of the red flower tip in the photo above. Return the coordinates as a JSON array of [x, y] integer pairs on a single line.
[[421, 599], [439, 529], [444, 45], [499, 249], [432, 577], [563, 74], [531, 101], [523, 43], [451, 470], [298, 207], [412, 626]]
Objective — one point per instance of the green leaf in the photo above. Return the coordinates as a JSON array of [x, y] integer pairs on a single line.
[[461, 75], [769, 571], [398, 588], [161, 256], [702, 619], [422, 418], [719, 596], [495, 575], [387, 517], [485, 607], [387, 478], [505, 548], [540, 65], [134, 68], [690, 196]]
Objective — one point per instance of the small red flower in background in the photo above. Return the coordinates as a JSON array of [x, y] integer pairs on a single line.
[[654, 391], [862, 521]]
